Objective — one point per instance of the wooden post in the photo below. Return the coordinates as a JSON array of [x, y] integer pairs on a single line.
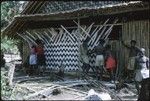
[[11, 73]]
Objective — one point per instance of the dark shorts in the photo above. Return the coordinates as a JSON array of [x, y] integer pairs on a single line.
[[41, 59], [144, 91]]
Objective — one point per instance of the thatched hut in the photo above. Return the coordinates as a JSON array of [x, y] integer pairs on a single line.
[[63, 24]]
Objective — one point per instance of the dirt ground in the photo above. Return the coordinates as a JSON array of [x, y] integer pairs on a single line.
[[71, 87]]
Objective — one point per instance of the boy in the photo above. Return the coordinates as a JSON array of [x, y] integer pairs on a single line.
[[33, 60]]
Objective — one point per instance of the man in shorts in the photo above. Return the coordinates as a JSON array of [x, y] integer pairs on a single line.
[[133, 50], [99, 62]]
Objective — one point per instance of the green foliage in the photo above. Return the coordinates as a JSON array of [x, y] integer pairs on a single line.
[[8, 45], [8, 10], [6, 90]]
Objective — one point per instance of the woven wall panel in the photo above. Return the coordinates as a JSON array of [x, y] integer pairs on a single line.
[[62, 53]]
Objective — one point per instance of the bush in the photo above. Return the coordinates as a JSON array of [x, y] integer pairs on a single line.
[[6, 90]]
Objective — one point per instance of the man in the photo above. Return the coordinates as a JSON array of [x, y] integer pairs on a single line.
[[84, 57], [133, 50], [142, 65], [99, 63]]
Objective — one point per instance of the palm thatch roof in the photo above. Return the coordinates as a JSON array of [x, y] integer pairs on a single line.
[[51, 11]]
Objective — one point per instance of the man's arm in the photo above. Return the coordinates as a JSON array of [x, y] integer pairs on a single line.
[[138, 49], [124, 44], [147, 63], [136, 63]]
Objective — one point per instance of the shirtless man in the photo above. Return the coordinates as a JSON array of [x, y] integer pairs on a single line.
[[133, 50]]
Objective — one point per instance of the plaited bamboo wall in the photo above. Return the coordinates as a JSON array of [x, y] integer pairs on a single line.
[[137, 30]]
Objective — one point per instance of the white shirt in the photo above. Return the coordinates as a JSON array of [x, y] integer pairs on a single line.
[[33, 59]]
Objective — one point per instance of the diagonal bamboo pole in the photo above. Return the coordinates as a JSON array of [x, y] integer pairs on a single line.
[[63, 37], [99, 30], [61, 34], [110, 28], [29, 43], [57, 37], [70, 36], [48, 36], [46, 41], [83, 28], [50, 32], [30, 39], [95, 43], [30, 35], [94, 36], [39, 36]]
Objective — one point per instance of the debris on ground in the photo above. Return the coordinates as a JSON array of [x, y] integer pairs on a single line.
[[52, 87]]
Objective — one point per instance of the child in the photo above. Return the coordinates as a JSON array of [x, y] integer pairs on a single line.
[[110, 62], [33, 60]]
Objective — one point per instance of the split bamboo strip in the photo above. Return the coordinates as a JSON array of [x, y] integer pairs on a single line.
[[110, 28], [53, 31], [61, 34], [46, 41], [108, 34], [49, 89], [88, 31], [36, 37], [24, 39], [100, 35], [29, 88], [57, 36], [65, 40], [30, 39], [39, 36], [36, 34], [93, 44], [63, 37], [30, 35], [70, 36], [48, 36], [98, 31], [53, 37], [50, 32], [93, 33], [84, 29], [74, 34]]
